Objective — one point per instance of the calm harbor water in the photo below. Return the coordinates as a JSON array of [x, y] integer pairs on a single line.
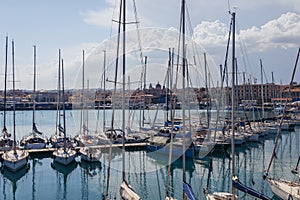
[[146, 171]]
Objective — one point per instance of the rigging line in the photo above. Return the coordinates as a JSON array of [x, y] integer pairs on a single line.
[[244, 56], [138, 34], [5, 84], [193, 44], [223, 78], [114, 94], [110, 44], [140, 47], [178, 50], [112, 19], [281, 120], [226, 55], [190, 28]]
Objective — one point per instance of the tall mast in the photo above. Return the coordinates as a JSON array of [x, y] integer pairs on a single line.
[[34, 85], [232, 100], [63, 97], [183, 88], [104, 86], [113, 105], [273, 86], [171, 86], [14, 98], [281, 119], [82, 123], [5, 85], [58, 95], [171, 119], [207, 94], [144, 89], [123, 90], [262, 89]]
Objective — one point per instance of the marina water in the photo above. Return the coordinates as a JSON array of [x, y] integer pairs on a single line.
[[145, 171]]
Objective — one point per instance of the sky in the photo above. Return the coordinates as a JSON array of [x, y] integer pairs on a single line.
[[267, 30]]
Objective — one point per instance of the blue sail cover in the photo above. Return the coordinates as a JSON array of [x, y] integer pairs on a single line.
[[189, 191], [240, 186]]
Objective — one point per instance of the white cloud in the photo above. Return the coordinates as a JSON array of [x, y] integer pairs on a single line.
[[109, 16], [155, 45], [211, 34], [98, 18], [282, 32]]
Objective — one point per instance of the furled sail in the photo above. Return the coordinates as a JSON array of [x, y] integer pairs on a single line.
[[240, 186], [189, 191]]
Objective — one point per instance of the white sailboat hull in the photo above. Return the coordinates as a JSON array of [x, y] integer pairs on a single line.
[[127, 193], [169, 198], [284, 189], [14, 161], [35, 145], [220, 196], [34, 141], [89, 154], [64, 157]]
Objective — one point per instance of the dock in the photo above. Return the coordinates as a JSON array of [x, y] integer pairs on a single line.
[[104, 148]]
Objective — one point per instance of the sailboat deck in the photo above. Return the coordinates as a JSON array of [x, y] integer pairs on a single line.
[[15, 156]]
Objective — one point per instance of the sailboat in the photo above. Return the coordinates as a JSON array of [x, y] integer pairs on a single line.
[[36, 139], [58, 139], [90, 154], [64, 155], [236, 184], [160, 141], [83, 138], [187, 190], [14, 159], [228, 195], [285, 189], [126, 191], [168, 197], [6, 142], [101, 136]]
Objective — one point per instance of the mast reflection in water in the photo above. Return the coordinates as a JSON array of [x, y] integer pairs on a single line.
[[146, 171]]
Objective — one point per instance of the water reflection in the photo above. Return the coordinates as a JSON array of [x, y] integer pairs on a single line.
[[13, 178], [148, 172], [91, 168], [62, 173], [65, 170]]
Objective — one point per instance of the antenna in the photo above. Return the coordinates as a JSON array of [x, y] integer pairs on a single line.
[[228, 5]]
